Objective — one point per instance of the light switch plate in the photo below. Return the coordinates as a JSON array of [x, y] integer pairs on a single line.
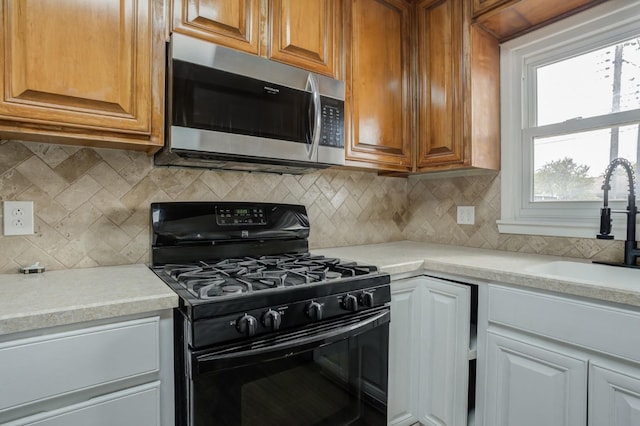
[[466, 215], [18, 217]]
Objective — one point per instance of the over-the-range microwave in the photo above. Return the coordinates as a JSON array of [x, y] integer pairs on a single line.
[[232, 110]]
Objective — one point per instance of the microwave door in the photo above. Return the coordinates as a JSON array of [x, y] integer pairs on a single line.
[[219, 112]]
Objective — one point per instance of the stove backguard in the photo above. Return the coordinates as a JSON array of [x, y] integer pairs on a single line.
[[184, 232]]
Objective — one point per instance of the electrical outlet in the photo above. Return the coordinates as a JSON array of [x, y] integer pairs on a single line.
[[466, 215], [18, 217]]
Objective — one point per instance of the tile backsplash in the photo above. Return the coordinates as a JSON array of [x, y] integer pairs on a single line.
[[432, 218], [92, 206]]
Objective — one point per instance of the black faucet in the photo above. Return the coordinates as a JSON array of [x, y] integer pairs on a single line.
[[631, 251]]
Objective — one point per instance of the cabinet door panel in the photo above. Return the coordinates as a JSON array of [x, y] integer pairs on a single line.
[[303, 33], [531, 386], [75, 62], [138, 406], [378, 82], [231, 23], [614, 397], [404, 334], [74, 361], [444, 353], [440, 59]]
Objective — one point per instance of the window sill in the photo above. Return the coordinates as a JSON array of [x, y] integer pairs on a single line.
[[573, 229]]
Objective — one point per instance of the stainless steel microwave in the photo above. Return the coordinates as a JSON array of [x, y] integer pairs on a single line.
[[231, 110]]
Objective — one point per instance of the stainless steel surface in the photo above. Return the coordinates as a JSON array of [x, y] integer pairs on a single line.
[[211, 55], [198, 140], [317, 126], [330, 155]]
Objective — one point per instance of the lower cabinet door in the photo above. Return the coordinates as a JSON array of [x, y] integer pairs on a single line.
[[138, 406], [444, 353], [529, 385], [614, 397], [404, 330]]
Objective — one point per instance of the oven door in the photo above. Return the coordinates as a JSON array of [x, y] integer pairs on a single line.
[[330, 374]]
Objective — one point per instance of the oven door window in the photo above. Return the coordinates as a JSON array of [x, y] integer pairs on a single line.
[[210, 99], [341, 383]]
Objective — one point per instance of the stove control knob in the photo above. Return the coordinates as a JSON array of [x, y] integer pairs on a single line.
[[350, 302], [314, 311], [272, 320], [247, 325], [366, 299]]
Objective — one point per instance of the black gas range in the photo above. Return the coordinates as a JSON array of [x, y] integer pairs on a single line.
[[254, 302]]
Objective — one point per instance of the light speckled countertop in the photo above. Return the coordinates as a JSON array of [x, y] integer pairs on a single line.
[[490, 266], [54, 298]]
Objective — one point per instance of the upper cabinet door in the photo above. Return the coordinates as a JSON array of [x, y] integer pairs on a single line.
[[378, 68], [302, 33], [79, 63], [440, 82], [231, 23]]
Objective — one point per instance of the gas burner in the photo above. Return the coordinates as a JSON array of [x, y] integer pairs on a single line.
[[233, 289], [239, 276]]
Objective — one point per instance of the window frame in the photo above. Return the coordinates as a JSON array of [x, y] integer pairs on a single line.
[[605, 24]]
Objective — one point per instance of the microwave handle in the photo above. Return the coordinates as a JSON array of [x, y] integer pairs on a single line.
[[204, 364], [316, 105]]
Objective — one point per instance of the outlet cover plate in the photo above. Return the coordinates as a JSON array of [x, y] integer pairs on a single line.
[[18, 217], [466, 215]]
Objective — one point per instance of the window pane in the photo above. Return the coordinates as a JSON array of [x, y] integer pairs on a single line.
[[592, 84], [571, 167]]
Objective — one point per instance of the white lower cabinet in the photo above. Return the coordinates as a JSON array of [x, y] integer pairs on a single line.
[[614, 396], [531, 386], [555, 360], [444, 353], [429, 352], [137, 406], [404, 347], [93, 374]]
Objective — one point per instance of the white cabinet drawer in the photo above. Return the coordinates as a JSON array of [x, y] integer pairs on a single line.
[[137, 406], [602, 328], [37, 368]]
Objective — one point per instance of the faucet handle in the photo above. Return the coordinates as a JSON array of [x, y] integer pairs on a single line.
[[605, 224]]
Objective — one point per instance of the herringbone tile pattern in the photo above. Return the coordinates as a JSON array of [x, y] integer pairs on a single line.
[[92, 205], [433, 212]]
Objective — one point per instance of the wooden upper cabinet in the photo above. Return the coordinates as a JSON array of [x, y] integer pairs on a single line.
[[89, 72], [440, 82], [231, 23], [458, 90], [506, 19], [302, 33], [378, 77]]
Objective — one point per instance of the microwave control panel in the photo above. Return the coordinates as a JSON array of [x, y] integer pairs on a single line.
[[332, 123]]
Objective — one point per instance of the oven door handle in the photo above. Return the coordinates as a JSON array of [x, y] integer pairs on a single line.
[[203, 364]]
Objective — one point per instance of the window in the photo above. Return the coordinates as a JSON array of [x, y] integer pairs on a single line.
[[570, 105]]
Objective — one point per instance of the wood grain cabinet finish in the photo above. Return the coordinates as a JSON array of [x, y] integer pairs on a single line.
[[299, 33], [231, 23], [303, 34], [378, 77], [458, 85], [507, 19], [83, 72]]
